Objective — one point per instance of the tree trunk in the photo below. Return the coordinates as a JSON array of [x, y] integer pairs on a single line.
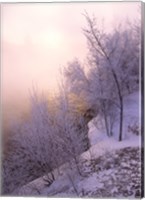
[[121, 119], [106, 125], [105, 119], [77, 166]]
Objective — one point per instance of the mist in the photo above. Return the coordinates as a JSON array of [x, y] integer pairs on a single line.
[[39, 39]]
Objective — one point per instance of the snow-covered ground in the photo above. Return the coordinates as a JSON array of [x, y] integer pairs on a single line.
[[100, 143], [115, 174], [111, 168], [109, 144], [131, 116]]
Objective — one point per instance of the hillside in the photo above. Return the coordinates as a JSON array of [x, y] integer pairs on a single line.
[[109, 168]]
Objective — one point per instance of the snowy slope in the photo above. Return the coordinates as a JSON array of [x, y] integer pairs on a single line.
[[115, 174], [131, 116], [100, 143], [110, 168]]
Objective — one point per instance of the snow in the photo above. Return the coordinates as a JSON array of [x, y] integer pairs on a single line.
[[112, 176], [101, 143], [131, 115], [117, 181], [111, 144], [90, 182]]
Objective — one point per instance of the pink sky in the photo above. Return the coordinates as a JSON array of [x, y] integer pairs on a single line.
[[38, 39]]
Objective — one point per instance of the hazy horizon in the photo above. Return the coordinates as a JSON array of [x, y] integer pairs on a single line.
[[38, 39]]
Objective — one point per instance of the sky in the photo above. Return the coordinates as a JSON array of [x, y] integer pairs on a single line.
[[39, 39]]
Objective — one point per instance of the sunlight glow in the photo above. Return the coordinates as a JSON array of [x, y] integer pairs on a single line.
[[38, 39]]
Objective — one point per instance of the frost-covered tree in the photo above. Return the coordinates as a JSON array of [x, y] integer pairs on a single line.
[[78, 84], [75, 76], [71, 127], [113, 71], [102, 96], [36, 148], [116, 54], [42, 143], [31, 155]]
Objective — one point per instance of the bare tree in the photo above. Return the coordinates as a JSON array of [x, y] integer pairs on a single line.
[[46, 140], [70, 128], [109, 51]]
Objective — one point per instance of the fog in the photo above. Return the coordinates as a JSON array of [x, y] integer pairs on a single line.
[[39, 39]]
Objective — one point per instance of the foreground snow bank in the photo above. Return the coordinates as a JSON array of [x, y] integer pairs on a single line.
[[115, 174]]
